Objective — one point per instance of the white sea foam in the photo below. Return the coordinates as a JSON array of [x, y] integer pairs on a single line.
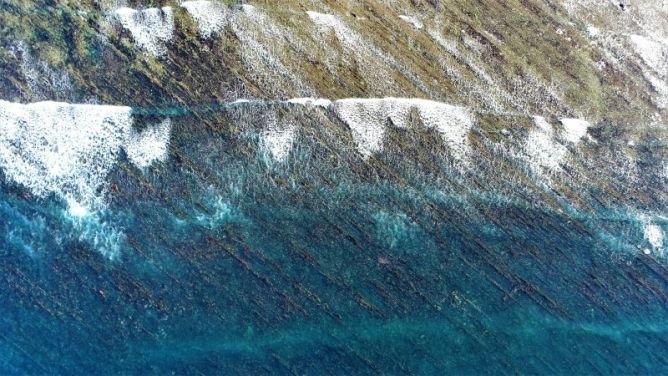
[[485, 91], [453, 123], [637, 35], [649, 52], [654, 53], [375, 65], [394, 228], [317, 102], [150, 145], [654, 235], [368, 119], [264, 46], [544, 153], [100, 234], [324, 20], [413, 21], [220, 211], [661, 87], [75, 209], [52, 147], [593, 31], [151, 28], [40, 77], [278, 142], [69, 149], [449, 45], [211, 17], [574, 129]]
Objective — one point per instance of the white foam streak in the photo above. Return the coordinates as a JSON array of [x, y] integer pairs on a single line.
[[453, 124], [366, 119], [317, 102], [75, 209], [593, 31], [413, 21], [67, 150], [263, 45], [654, 53], [151, 28]]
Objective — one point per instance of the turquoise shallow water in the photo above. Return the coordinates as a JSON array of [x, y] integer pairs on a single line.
[[220, 261]]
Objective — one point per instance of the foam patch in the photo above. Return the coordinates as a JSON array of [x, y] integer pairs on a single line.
[[263, 49], [368, 119], [69, 149], [652, 52], [574, 129], [544, 153], [211, 17], [151, 28], [375, 65], [654, 235], [52, 147], [278, 142], [413, 21], [150, 145]]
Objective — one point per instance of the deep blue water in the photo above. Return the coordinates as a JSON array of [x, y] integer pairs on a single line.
[[229, 263]]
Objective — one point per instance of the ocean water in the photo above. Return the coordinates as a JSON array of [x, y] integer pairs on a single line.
[[222, 260]]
